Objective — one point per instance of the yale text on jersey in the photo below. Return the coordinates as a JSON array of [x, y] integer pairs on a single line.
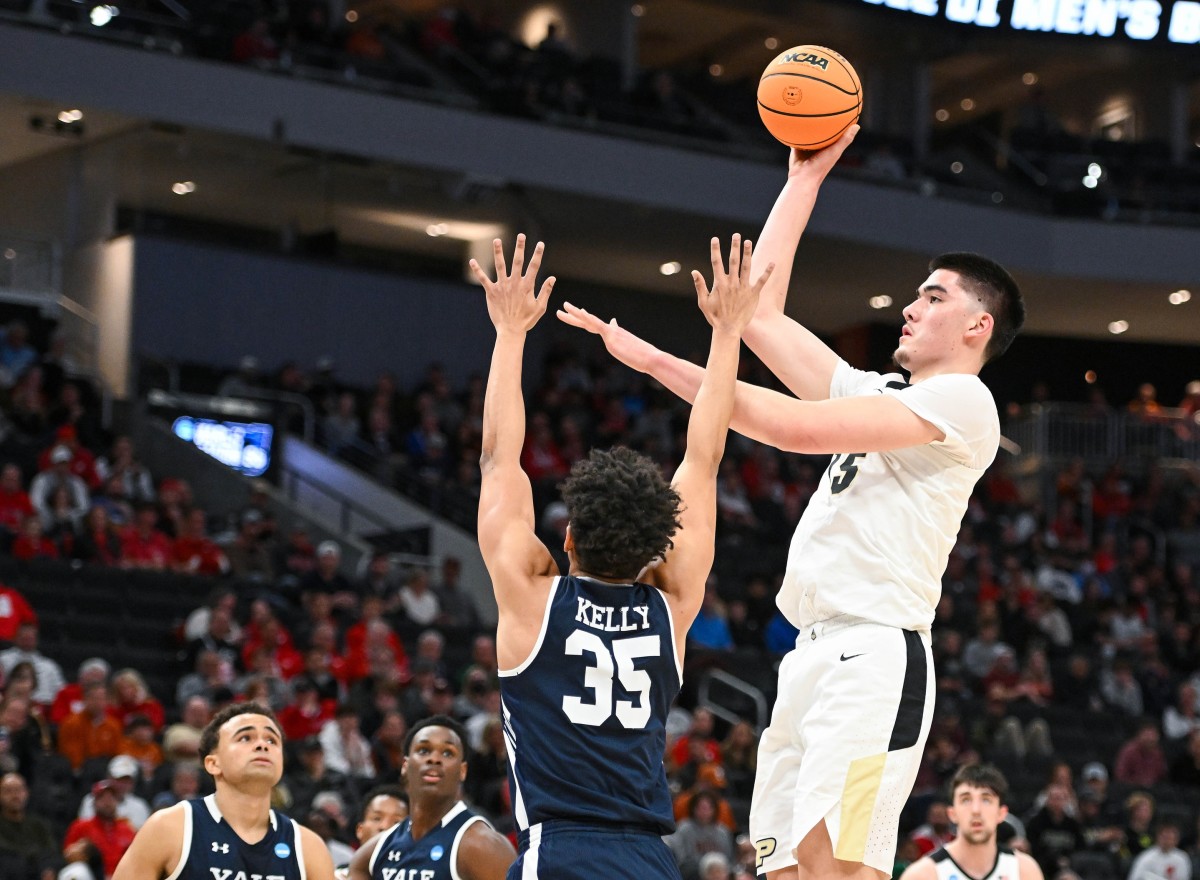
[[609, 619], [408, 874], [231, 874]]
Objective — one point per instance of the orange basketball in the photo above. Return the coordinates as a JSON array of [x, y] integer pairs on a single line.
[[808, 96]]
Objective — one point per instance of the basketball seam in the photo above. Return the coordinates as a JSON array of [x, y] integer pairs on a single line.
[[855, 93], [854, 109], [849, 72]]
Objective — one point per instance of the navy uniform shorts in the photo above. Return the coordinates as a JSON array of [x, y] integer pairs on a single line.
[[578, 851]]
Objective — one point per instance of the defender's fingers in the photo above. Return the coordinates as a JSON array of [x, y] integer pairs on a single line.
[[701, 287], [718, 265], [480, 275], [498, 255], [735, 256], [747, 260], [535, 261], [543, 297], [519, 255], [762, 279]]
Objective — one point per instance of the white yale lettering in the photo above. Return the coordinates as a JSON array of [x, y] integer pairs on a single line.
[[407, 874], [230, 874], [601, 617]]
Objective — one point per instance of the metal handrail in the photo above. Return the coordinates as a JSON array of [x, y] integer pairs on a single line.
[[347, 506], [734, 683], [306, 406]]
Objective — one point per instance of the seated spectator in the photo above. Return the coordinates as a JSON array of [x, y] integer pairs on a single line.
[[121, 465], [346, 749], [1139, 822], [197, 622], [457, 609], [937, 830], [1185, 769], [1164, 859], [14, 611], [26, 736], [25, 650], [1120, 689], [27, 411], [91, 732], [193, 551], [84, 861], [77, 423], [327, 579], [211, 673], [15, 505], [181, 740], [739, 755], [249, 553], [265, 630], [710, 630], [32, 543], [380, 582], [979, 656], [98, 541], [185, 784], [1052, 834], [70, 697], [111, 834], [418, 601], [387, 752], [130, 696], [340, 429], [81, 462], [139, 744], [1140, 761], [698, 835], [701, 730], [1182, 719], [308, 776], [220, 637], [123, 774], [295, 559], [144, 545], [24, 836], [16, 354], [305, 715], [115, 503]]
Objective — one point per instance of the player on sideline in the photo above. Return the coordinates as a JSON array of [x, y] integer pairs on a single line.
[[383, 807], [977, 794], [441, 839], [591, 661], [865, 565], [233, 833]]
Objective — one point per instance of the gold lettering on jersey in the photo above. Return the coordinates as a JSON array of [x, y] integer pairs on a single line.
[[763, 850], [608, 619]]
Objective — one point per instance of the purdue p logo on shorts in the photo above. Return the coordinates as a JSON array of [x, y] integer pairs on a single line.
[[763, 850]]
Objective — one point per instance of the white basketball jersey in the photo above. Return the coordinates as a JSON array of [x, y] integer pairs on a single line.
[[875, 537], [1006, 868]]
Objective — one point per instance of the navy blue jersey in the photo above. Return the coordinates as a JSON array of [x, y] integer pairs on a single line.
[[434, 857], [213, 851], [585, 714]]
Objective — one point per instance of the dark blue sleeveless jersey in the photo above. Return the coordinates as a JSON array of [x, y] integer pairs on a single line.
[[213, 851], [434, 857], [584, 716]]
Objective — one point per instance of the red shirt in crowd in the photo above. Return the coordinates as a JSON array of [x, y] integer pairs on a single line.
[[111, 836], [150, 707], [299, 722], [26, 548], [152, 550], [14, 611], [198, 556], [14, 507], [67, 701]]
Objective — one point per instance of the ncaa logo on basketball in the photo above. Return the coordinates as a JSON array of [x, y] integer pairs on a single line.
[[814, 60]]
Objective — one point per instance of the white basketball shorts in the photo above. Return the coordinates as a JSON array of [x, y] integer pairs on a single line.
[[845, 742]]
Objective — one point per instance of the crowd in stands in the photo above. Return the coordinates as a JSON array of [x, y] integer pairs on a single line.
[[1066, 642]]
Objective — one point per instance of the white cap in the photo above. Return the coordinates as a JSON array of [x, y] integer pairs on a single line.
[[122, 765], [329, 547]]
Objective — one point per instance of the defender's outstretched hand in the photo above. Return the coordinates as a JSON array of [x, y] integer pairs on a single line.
[[814, 165], [511, 302], [630, 350], [730, 304]]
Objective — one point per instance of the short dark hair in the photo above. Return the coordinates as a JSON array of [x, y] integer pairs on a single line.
[[438, 721], [980, 776], [392, 791], [996, 289], [622, 510], [212, 731]]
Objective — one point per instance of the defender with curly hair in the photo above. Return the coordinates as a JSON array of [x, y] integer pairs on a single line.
[[591, 661]]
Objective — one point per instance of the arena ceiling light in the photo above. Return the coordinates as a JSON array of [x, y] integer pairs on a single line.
[[880, 302], [1116, 328], [672, 268], [183, 187], [102, 15], [66, 117], [1179, 297], [437, 230]]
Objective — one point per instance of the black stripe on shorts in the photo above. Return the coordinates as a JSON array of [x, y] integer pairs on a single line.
[[911, 711]]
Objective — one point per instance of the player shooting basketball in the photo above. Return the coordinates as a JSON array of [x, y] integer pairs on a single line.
[[864, 569], [591, 662]]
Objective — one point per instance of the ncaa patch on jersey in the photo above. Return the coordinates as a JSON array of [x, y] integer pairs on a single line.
[[282, 850], [437, 852]]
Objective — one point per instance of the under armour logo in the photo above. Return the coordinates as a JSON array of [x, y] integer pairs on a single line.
[[394, 855], [220, 847]]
